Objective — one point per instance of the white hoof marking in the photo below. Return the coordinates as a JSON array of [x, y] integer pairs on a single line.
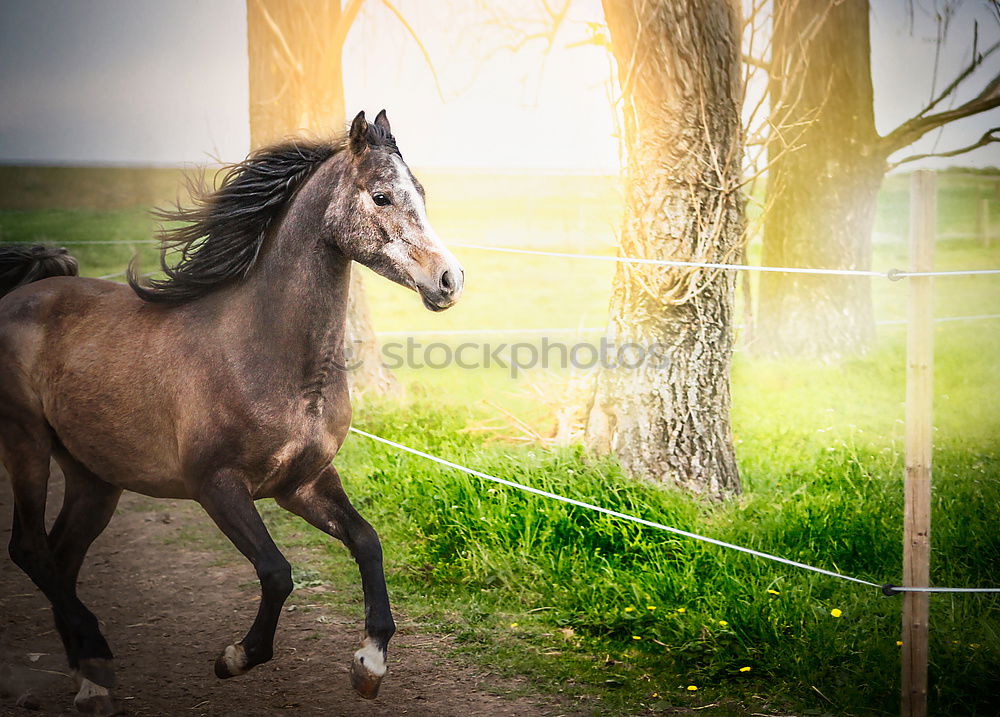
[[370, 657], [90, 689], [235, 658]]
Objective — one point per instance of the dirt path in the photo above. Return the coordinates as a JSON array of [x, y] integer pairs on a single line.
[[167, 609]]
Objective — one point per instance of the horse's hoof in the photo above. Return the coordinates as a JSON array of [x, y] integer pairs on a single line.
[[92, 699], [232, 662], [98, 706], [97, 670], [367, 670]]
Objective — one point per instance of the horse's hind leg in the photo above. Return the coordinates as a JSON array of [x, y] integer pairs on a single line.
[[88, 506], [324, 504], [26, 450], [230, 505]]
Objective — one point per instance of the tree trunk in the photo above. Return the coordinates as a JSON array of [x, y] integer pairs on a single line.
[[825, 168], [296, 86], [668, 419]]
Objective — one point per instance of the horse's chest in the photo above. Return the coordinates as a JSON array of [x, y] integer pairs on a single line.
[[297, 460]]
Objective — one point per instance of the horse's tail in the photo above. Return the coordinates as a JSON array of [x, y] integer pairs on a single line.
[[20, 265]]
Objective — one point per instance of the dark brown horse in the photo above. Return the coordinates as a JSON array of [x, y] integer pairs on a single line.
[[222, 383]]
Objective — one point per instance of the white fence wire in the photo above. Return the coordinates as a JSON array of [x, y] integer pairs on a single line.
[[893, 274], [886, 588]]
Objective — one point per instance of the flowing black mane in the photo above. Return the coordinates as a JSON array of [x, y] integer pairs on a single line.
[[224, 230]]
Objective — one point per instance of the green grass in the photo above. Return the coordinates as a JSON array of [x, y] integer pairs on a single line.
[[124, 226], [495, 566], [958, 197], [536, 587]]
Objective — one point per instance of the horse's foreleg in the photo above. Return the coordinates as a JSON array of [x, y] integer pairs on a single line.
[[229, 504], [324, 504]]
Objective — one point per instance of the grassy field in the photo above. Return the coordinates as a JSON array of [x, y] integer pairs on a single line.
[[625, 618]]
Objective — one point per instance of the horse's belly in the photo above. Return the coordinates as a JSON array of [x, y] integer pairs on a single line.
[[125, 460], [154, 486], [113, 430]]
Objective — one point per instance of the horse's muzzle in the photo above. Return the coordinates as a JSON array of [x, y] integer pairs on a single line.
[[446, 291]]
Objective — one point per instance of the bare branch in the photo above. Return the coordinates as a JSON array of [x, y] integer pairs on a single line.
[[976, 62], [273, 27], [423, 50], [344, 22], [556, 17], [750, 20], [944, 15], [524, 30], [916, 127], [988, 137], [757, 62]]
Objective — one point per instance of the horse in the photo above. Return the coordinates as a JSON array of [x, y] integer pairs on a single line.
[[223, 382]]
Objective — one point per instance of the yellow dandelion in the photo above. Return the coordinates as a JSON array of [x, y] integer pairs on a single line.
[[513, 624], [682, 609], [774, 592], [836, 612], [651, 607], [656, 694], [630, 609], [899, 643], [723, 623], [636, 637], [692, 688], [973, 645], [744, 669]]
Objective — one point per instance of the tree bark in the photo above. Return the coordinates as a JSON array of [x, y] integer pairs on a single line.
[[679, 73], [296, 87], [825, 168]]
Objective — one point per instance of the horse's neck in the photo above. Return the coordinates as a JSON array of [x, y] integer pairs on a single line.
[[294, 303]]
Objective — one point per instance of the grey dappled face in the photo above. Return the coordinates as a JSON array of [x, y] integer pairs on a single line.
[[386, 222]]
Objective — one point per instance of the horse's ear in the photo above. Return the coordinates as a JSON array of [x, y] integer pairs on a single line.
[[358, 136], [382, 122]]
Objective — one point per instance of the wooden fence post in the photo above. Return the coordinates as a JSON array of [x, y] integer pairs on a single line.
[[919, 442]]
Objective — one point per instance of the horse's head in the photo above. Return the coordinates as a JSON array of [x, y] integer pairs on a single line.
[[378, 218]]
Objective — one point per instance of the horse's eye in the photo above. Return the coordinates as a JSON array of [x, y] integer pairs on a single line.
[[381, 199]]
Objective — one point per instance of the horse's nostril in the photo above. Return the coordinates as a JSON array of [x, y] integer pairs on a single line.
[[447, 281]]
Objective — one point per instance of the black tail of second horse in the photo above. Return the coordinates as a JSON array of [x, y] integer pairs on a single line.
[[20, 265]]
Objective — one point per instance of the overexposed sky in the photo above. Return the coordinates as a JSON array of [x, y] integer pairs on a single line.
[[164, 82]]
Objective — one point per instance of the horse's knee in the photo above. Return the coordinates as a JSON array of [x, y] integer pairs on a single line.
[[364, 542], [276, 579]]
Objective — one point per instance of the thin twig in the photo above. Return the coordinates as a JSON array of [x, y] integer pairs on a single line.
[[420, 45]]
